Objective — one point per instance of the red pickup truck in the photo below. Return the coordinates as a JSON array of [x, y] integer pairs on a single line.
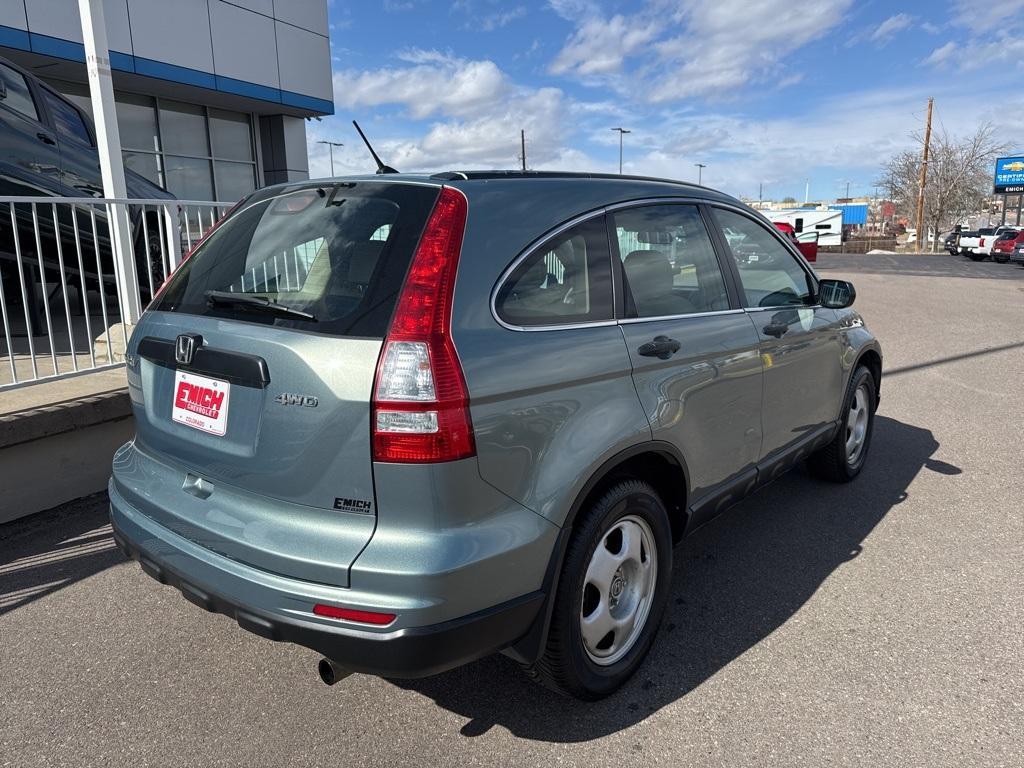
[[808, 249]]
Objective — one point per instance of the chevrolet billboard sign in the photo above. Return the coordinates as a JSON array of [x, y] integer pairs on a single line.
[[1009, 176]]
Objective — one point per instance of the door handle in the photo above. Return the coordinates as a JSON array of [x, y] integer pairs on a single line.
[[778, 330], [45, 138], [662, 347]]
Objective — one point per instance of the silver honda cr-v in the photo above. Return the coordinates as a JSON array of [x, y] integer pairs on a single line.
[[408, 421]]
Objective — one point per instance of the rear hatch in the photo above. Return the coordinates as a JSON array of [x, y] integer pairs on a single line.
[[251, 377]]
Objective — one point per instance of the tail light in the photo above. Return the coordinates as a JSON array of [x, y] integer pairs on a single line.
[[420, 408], [981, 243]]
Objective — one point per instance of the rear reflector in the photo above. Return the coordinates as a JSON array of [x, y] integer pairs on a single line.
[[420, 400], [351, 614]]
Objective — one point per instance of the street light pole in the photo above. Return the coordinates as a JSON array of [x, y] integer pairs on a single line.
[[331, 145], [700, 171], [621, 132]]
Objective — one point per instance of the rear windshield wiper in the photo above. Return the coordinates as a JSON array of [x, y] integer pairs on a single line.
[[255, 303]]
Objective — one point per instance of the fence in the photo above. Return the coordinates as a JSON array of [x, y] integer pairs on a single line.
[[53, 248]]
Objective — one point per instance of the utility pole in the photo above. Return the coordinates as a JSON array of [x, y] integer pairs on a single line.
[[700, 169], [522, 143], [760, 194], [922, 237], [331, 145], [847, 189], [621, 132]]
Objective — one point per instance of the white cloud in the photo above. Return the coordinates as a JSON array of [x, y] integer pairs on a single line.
[[600, 46], [982, 35], [476, 113], [687, 48], [888, 28], [435, 83], [990, 16]]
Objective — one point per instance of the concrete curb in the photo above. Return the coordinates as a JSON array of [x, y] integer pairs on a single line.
[[58, 418]]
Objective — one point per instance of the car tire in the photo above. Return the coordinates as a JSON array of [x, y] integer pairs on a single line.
[[842, 459], [627, 529], [999, 261]]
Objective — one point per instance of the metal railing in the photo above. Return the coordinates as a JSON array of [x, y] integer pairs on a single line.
[[56, 248]]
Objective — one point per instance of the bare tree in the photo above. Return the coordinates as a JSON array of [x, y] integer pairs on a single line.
[[959, 177]]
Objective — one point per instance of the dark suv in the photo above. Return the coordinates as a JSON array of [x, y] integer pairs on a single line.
[[48, 148], [408, 421]]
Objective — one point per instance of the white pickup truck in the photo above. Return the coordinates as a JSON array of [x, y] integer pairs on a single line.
[[977, 245]]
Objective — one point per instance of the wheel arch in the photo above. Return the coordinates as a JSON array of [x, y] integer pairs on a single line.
[[871, 358], [656, 462]]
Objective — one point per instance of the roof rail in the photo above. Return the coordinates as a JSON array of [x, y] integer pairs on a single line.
[[473, 175]]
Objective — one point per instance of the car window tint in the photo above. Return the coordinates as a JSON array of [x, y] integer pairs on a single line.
[[67, 120], [19, 98], [668, 260], [318, 250], [770, 275], [567, 280]]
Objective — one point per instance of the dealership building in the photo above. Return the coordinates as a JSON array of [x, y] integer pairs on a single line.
[[212, 96]]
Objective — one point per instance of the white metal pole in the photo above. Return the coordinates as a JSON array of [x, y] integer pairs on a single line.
[[108, 139]]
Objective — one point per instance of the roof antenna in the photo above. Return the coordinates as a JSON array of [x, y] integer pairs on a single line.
[[381, 168]]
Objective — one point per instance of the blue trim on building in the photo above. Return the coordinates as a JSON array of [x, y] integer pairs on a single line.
[[124, 62], [60, 48], [172, 72], [14, 38], [252, 90], [307, 102]]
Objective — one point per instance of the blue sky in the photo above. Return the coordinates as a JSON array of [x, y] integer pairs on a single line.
[[771, 92]]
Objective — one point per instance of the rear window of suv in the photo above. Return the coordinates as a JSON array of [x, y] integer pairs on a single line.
[[339, 252]]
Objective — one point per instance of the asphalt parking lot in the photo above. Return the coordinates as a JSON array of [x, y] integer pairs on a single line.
[[878, 623]]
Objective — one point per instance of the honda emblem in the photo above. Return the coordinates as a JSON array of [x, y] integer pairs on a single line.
[[185, 348]]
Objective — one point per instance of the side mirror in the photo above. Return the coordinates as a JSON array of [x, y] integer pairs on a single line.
[[836, 294]]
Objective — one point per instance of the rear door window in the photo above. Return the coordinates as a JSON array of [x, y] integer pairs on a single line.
[[66, 119], [565, 281], [337, 252], [669, 261]]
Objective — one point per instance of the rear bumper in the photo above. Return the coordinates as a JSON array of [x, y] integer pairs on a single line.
[[408, 652]]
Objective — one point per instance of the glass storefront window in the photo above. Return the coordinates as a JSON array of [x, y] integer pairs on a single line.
[[195, 152], [234, 180], [183, 129], [188, 177], [143, 163], [136, 122], [231, 133]]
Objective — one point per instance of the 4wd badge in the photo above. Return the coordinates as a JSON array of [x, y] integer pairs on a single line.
[[305, 401]]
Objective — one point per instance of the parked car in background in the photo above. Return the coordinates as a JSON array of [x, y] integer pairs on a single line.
[[978, 245], [48, 149], [809, 247], [1017, 257], [1004, 244], [952, 243], [351, 438]]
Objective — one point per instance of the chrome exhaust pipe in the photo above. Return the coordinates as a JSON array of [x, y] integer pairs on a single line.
[[332, 672]]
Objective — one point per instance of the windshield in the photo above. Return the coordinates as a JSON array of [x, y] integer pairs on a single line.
[[337, 252]]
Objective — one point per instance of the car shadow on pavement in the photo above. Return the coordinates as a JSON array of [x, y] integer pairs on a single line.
[[735, 581], [54, 549]]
